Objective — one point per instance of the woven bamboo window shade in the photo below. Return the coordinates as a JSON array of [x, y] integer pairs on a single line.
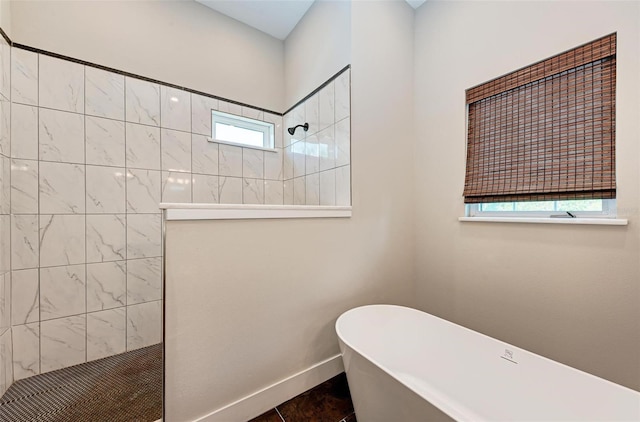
[[547, 131]]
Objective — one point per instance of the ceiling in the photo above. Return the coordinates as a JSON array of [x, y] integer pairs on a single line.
[[274, 17]]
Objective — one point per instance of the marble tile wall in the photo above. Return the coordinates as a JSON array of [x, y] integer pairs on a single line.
[[6, 355], [317, 163], [93, 153], [83, 262]]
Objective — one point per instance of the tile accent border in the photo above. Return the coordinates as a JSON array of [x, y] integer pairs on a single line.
[[133, 75], [315, 91], [144, 78], [6, 37]]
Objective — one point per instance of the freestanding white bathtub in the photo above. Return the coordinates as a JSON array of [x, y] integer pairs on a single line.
[[404, 365]]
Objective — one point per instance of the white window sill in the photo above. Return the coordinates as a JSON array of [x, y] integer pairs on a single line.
[[180, 212], [547, 220], [237, 144]]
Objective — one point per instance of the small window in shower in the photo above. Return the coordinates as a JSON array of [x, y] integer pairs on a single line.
[[237, 130]]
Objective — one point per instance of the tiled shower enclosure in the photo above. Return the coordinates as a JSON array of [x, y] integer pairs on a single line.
[[89, 156]]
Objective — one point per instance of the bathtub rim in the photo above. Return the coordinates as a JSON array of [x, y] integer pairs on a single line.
[[451, 407]]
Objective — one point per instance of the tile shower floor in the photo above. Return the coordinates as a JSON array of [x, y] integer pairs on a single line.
[[327, 402], [122, 388]]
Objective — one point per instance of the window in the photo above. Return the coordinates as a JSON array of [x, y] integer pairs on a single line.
[[541, 140], [237, 130], [587, 208]]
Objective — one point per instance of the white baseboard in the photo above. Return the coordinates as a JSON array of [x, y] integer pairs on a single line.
[[259, 402]]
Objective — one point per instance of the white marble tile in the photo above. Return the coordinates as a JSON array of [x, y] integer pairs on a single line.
[[61, 136], [24, 131], [201, 108], [298, 117], [26, 350], [24, 77], [252, 163], [326, 106], [104, 93], [328, 187], [143, 236], [104, 142], [62, 291], [176, 150], [144, 280], [312, 158], [287, 163], [311, 111], [25, 297], [62, 240], [253, 191], [175, 108], [61, 84], [5, 243], [106, 333], [144, 325], [205, 189], [6, 359], [343, 143], [273, 164], [5, 127], [273, 192], [6, 185], [343, 185], [176, 187], [252, 113], [62, 188], [288, 192], [144, 188], [230, 108], [287, 122], [5, 301], [299, 151], [143, 146], [278, 128], [106, 285], [25, 250], [105, 190], [299, 195], [342, 96], [230, 160], [142, 102], [204, 155], [327, 148], [106, 237], [312, 189], [5, 69], [230, 190], [62, 342]]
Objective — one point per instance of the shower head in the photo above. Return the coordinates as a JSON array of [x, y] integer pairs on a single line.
[[292, 130]]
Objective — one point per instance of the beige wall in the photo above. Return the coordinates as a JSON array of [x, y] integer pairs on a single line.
[[252, 302], [570, 293], [5, 16], [178, 42], [317, 48]]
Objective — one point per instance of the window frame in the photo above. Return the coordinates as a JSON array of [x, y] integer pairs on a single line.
[[609, 210], [266, 128]]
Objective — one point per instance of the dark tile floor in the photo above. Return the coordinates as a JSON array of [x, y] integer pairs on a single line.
[[327, 402]]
